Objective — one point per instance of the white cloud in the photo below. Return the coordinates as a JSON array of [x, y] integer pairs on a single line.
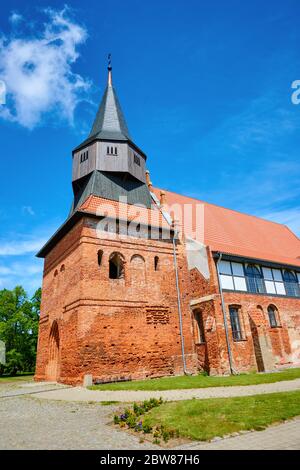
[[289, 217], [18, 263], [15, 17], [28, 210], [27, 273], [21, 247], [38, 71]]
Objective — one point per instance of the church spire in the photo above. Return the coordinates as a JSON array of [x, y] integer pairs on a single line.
[[110, 121], [109, 68], [108, 157]]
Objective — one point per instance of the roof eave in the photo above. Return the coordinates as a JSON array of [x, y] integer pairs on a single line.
[[71, 221], [93, 139], [239, 258]]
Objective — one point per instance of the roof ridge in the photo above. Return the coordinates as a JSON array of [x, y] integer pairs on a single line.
[[232, 210]]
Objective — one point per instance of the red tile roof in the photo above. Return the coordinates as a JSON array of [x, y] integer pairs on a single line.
[[235, 233], [109, 208]]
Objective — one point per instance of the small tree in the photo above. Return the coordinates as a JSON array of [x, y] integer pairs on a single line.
[[19, 318]]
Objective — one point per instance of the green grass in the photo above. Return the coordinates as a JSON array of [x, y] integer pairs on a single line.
[[204, 419], [200, 381], [25, 376], [107, 403]]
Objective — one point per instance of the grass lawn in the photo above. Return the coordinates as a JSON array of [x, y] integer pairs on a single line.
[[204, 419], [26, 376], [200, 381]]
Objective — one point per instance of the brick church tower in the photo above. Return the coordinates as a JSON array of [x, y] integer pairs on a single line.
[[114, 303]]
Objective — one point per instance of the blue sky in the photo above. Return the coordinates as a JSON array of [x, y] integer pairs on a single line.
[[205, 87]]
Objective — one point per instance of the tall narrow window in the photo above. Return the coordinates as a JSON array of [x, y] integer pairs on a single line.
[[235, 323], [255, 279], [156, 261], [273, 316], [107, 150], [116, 151], [200, 326], [100, 254], [136, 160], [291, 285], [116, 266]]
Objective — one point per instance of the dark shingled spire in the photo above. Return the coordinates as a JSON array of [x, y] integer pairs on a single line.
[[110, 122]]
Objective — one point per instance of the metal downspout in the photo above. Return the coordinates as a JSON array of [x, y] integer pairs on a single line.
[[232, 370], [179, 305]]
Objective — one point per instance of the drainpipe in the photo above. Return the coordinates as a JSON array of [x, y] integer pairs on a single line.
[[232, 370], [179, 304], [175, 236]]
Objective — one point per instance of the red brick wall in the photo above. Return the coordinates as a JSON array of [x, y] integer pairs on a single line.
[[129, 328], [283, 342], [112, 329]]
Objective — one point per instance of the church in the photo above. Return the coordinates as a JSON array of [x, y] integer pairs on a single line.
[[140, 282]]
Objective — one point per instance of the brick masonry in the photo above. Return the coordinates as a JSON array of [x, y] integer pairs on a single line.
[[262, 348], [128, 328], [112, 328]]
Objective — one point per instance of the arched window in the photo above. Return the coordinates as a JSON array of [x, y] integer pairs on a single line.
[[255, 279], [100, 254], [137, 269], [116, 266], [235, 323], [156, 262], [55, 273], [291, 284], [273, 316], [200, 326], [62, 268]]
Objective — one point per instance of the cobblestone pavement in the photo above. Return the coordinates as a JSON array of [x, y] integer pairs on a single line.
[[35, 423], [284, 436], [31, 423], [82, 394], [22, 388]]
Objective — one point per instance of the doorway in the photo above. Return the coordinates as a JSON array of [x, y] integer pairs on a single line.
[[53, 362]]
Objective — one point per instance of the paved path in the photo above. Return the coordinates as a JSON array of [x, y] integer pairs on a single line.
[[30, 423], [85, 395], [284, 436], [34, 423]]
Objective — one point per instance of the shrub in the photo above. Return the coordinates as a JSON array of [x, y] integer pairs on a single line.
[[138, 410], [147, 428], [131, 421], [117, 419]]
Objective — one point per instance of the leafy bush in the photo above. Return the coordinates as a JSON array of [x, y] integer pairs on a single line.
[[130, 418], [147, 428], [131, 421], [19, 317], [116, 419]]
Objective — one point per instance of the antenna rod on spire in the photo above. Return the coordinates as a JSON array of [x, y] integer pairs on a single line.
[[109, 68]]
